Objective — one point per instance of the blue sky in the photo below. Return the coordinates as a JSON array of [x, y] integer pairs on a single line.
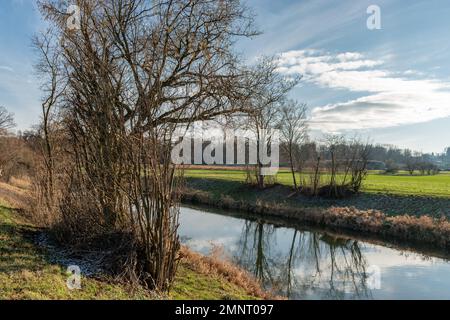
[[392, 85]]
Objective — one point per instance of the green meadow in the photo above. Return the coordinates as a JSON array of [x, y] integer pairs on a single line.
[[399, 184]]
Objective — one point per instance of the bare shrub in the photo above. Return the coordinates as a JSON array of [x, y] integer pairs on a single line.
[[134, 74], [334, 169], [6, 120]]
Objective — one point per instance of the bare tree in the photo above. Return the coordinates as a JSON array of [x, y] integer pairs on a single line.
[[411, 161], [294, 132], [334, 144], [6, 153], [266, 103], [6, 120], [359, 154], [136, 72], [49, 70], [315, 178]]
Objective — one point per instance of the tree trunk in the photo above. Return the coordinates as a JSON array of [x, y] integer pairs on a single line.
[[292, 168]]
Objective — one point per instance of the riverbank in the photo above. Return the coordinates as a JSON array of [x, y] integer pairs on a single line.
[[30, 270], [279, 201]]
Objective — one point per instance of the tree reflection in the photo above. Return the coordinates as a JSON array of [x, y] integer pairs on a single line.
[[308, 265], [254, 248]]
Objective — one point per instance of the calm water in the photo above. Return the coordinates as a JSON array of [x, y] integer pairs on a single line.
[[311, 265]]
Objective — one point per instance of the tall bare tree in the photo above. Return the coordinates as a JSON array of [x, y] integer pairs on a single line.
[[294, 132], [266, 102], [136, 72], [49, 70]]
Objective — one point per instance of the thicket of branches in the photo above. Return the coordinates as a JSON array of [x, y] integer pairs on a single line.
[[6, 120], [335, 168], [16, 154], [117, 90], [17, 158]]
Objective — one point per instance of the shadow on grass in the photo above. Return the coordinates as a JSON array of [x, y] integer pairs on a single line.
[[17, 249]]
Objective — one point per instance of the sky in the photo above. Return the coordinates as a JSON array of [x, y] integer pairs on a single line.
[[391, 85]]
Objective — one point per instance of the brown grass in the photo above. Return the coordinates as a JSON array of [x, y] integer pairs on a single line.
[[216, 265], [17, 194]]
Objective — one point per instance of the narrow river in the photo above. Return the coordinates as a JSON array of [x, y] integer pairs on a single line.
[[303, 264]]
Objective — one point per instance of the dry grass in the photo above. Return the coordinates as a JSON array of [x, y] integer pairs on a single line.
[[216, 265], [17, 194], [423, 229]]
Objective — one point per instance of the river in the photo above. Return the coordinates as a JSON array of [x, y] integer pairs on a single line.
[[306, 264]]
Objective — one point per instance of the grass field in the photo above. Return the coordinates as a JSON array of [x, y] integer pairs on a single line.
[[399, 184]]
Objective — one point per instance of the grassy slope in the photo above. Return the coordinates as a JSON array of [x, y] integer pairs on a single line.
[[400, 184], [25, 273]]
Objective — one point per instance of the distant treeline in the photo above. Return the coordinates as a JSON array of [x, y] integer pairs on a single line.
[[395, 158], [382, 157]]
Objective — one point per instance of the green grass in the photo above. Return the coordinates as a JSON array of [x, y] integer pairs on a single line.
[[26, 273], [432, 186], [399, 184], [193, 286]]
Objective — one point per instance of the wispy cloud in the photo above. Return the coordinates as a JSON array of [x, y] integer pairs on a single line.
[[386, 99], [6, 68]]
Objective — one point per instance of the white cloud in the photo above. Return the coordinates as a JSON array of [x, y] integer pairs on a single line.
[[349, 56], [413, 73], [388, 100]]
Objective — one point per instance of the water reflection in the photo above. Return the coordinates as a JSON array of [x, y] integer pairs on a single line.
[[317, 265], [311, 265]]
